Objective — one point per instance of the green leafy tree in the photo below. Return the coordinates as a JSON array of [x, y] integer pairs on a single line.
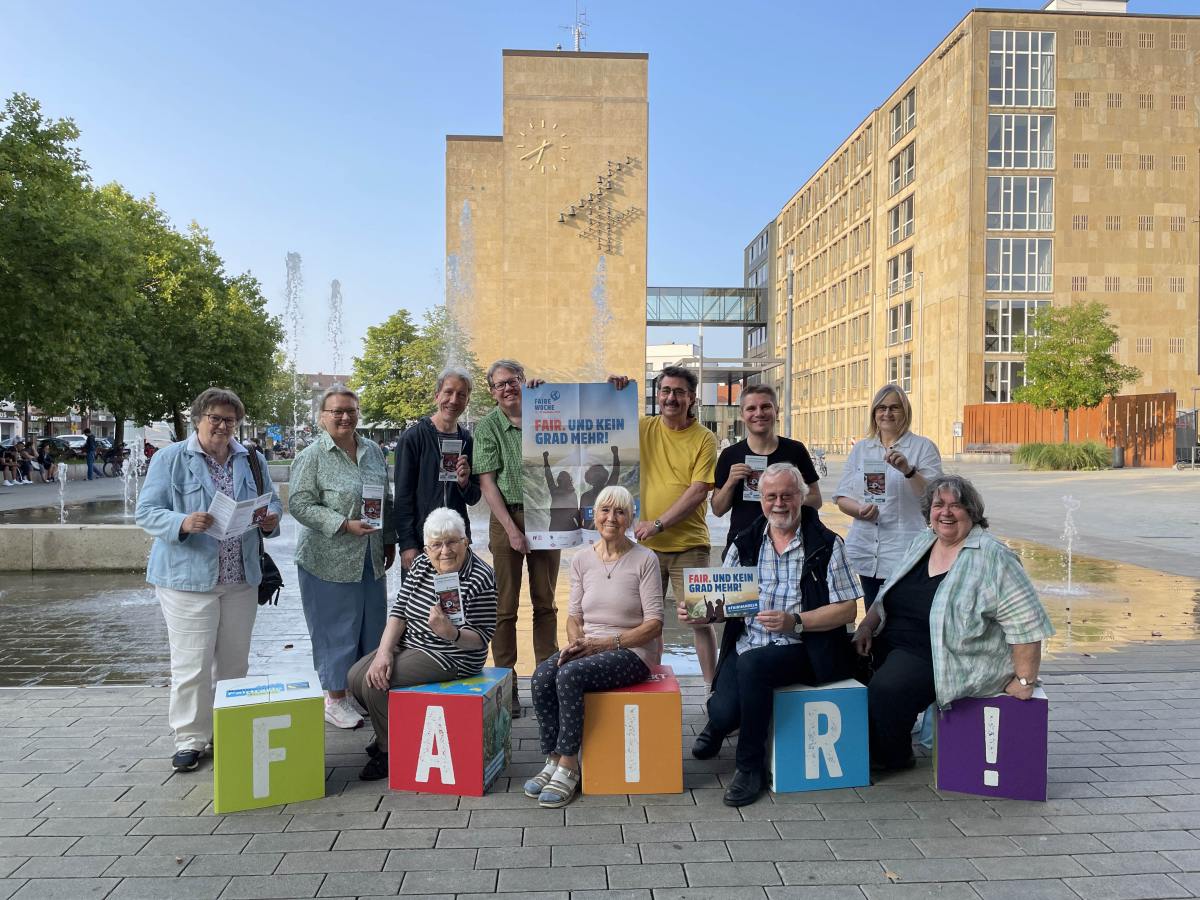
[[285, 400], [397, 373], [1069, 363]]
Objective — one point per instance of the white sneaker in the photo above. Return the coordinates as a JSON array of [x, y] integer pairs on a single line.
[[8, 484], [341, 714]]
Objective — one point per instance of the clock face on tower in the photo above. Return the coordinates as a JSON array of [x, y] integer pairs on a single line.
[[543, 146]]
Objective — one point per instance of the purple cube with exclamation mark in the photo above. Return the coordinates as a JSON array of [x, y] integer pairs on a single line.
[[993, 746]]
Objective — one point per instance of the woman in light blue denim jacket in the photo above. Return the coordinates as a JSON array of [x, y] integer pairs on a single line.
[[208, 589]]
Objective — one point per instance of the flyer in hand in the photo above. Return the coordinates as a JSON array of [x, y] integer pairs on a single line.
[[717, 594], [449, 594], [451, 450], [757, 465]]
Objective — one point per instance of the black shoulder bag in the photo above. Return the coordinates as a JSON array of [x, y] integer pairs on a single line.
[[272, 580]]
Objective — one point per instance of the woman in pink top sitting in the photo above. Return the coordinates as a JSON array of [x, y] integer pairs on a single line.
[[614, 622]]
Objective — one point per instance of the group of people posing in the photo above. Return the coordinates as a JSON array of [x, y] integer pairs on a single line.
[[950, 612]]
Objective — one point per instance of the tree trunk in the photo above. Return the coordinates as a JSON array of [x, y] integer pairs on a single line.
[[26, 423], [1066, 426], [177, 421], [119, 433]]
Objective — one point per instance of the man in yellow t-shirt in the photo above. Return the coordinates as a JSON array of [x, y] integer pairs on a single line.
[[678, 458]]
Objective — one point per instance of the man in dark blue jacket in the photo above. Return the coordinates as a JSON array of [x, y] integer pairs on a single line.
[[89, 451], [420, 457], [807, 596]]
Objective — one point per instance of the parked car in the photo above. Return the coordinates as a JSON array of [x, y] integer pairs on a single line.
[[67, 446]]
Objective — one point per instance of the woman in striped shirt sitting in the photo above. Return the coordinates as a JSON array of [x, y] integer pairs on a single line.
[[421, 643]]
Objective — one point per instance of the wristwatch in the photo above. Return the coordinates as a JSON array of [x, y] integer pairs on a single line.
[[659, 525], [1027, 682], [911, 472], [798, 626]]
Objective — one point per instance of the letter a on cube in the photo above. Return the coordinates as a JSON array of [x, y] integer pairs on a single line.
[[269, 741], [819, 737], [994, 746], [450, 737]]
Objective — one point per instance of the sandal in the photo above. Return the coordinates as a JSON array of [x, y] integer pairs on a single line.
[[560, 790], [535, 785]]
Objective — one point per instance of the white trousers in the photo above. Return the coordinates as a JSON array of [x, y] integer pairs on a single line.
[[209, 633]]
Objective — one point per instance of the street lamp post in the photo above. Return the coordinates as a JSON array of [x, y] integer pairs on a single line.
[[787, 347]]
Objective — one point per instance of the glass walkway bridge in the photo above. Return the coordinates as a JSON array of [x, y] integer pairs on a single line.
[[731, 307]]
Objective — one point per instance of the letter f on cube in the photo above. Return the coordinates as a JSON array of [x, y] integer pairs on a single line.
[[264, 754]]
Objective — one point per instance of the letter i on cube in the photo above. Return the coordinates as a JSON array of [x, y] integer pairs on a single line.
[[819, 737], [268, 741], [633, 738], [993, 746], [450, 737]]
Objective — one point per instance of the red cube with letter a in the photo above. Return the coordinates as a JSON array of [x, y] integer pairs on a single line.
[[450, 737]]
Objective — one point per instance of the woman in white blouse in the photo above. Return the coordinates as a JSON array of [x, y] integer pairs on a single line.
[[881, 489]]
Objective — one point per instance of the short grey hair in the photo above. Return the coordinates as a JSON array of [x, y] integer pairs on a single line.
[[616, 496], [511, 364], [961, 490], [455, 372], [338, 390], [443, 522], [782, 468], [215, 396]]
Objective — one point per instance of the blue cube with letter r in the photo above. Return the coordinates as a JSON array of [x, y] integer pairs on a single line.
[[819, 737]]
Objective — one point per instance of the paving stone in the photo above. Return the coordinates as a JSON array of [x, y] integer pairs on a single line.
[[731, 874], [35, 846], [1000, 869], [964, 848], [290, 841], [580, 834], [824, 892], [909, 828], [336, 821], [915, 870], [251, 824], [828, 830], [1141, 862], [1150, 840], [176, 825], [481, 837], [747, 831], [174, 888], [389, 839], [702, 851], [1054, 844], [180, 845], [460, 881], [893, 848], [434, 860], [710, 893], [1188, 860], [62, 888], [776, 851], [586, 855], [658, 833], [952, 891], [154, 866], [260, 887], [64, 867], [1126, 887], [563, 878], [503, 818], [649, 875], [1036, 889]]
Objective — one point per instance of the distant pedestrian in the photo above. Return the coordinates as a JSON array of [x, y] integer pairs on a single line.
[[89, 449], [49, 463]]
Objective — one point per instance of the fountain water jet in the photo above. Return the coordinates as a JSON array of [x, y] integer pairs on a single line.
[[602, 319], [335, 323], [62, 493], [293, 320]]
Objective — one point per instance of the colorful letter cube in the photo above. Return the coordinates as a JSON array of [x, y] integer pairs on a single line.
[[993, 746], [633, 738], [819, 737], [450, 737], [268, 741]]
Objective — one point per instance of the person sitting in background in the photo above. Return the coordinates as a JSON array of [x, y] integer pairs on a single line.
[[49, 463], [614, 623], [8, 465], [807, 597], [958, 618], [419, 643]]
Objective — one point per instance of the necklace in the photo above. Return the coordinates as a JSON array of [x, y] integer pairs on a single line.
[[608, 570]]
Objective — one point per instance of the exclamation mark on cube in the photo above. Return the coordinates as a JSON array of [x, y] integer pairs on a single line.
[[633, 744], [991, 743]]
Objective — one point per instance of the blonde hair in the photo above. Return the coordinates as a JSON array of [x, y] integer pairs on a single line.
[[905, 409]]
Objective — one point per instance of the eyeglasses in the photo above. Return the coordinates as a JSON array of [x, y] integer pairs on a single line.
[[892, 408], [341, 413], [679, 393], [220, 421], [786, 497], [439, 546], [514, 383]]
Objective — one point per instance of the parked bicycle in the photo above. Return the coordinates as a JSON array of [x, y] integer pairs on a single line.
[[819, 462]]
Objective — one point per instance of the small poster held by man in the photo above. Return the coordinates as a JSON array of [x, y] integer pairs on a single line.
[[757, 465], [717, 594], [451, 451], [449, 594], [372, 505]]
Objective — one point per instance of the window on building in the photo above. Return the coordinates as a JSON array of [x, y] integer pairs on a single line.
[[1178, 163], [1114, 39], [1146, 162], [1178, 223], [1005, 319], [1175, 284], [1079, 222], [900, 220], [1019, 265], [900, 371], [1001, 378], [1145, 101], [1112, 284], [1021, 68], [1178, 102], [1112, 160], [900, 323], [1020, 203], [1112, 223], [1145, 223], [1145, 40], [1083, 99], [1020, 141], [904, 115], [1179, 41], [1113, 101], [1144, 345], [1083, 38], [1080, 160], [1145, 284], [1176, 345], [1078, 283], [900, 272], [902, 168]]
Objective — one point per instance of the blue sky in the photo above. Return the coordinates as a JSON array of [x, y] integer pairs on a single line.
[[319, 128]]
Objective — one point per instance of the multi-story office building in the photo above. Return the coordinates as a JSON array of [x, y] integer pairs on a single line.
[[1033, 157], [759, 272]]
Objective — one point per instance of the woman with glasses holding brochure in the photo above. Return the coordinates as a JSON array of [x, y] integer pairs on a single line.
[[881, 489], [208, 588]]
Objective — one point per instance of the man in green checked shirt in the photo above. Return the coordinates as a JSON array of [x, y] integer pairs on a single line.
[[498, 460]]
